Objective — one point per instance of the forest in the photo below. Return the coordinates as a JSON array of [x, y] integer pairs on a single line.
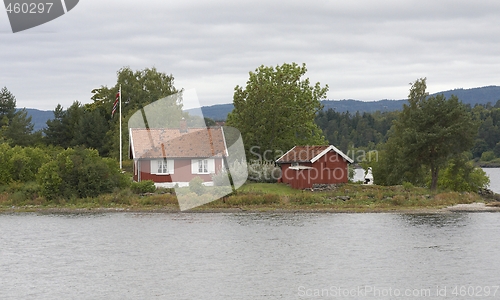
[[368, 130]]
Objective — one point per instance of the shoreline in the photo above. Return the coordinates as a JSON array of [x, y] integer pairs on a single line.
[[272, 198], [475, 207]]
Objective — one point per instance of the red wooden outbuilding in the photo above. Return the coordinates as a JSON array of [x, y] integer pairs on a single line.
[[303, 166]]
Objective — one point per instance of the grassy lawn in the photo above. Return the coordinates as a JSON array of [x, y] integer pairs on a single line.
[[261, 197], [345, 197], [268, 188]]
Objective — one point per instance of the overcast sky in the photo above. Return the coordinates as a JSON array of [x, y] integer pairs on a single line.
[[365, 50]]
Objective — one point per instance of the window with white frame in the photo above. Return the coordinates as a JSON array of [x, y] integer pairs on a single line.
[[162, 166], [203, 166]]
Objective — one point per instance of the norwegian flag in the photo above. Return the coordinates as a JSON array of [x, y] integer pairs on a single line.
[[115, 105]]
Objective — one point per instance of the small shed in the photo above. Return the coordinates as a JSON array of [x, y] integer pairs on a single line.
[[303, 166]]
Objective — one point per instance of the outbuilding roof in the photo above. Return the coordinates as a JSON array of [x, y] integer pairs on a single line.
[[173, 143], [310, 154]]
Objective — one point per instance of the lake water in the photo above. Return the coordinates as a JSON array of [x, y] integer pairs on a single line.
[[494, 174], [249, 256]]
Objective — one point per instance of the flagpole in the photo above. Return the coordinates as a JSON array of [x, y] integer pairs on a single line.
[[120, 126]]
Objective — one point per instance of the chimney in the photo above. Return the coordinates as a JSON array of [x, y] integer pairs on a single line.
[[183, 126]]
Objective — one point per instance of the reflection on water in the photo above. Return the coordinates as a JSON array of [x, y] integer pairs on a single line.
[[241, 256], [436, 220], [269, 219]]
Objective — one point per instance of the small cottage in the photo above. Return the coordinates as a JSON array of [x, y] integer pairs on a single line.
[[303, 166], [175, 156]]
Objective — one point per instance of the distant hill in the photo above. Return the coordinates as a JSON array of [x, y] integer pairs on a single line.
[[218, 112], [39, 118], [481, 95]]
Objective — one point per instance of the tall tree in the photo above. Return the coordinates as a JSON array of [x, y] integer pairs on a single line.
[[20, 129], [276, 110], [54, 132], [427, 134], [139, 88], [16, 125], [64, 130], [93, 127], [7, 104]]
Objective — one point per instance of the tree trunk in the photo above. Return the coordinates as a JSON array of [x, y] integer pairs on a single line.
[[434, 180]]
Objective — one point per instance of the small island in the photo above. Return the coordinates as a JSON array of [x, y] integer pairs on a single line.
[[424, 158]]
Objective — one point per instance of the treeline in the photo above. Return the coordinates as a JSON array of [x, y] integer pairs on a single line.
[[88, 125], [346, 130], [487, 142], [368, 130]]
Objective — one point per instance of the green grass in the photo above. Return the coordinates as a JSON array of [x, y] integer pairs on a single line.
[[268, 188], [362, 198], [254, 197]]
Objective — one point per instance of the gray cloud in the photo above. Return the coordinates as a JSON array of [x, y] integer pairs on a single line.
[[366, 50]]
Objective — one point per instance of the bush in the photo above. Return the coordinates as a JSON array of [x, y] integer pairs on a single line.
[[488, 156], [79, 173], [23, 193], [5, 169], [49, 180], [260, 171], [407, 186], [25, 163], [460, 175], [145, 186], [20, 163], [196, 185]]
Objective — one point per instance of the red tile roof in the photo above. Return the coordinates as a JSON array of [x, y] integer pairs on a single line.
[[171, 143], [309, 154]]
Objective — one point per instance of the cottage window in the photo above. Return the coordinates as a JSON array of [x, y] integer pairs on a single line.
[[203, 166], [295, 164], [162, 166]]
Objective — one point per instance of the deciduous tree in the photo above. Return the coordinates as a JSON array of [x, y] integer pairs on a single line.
[[276, 110]]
